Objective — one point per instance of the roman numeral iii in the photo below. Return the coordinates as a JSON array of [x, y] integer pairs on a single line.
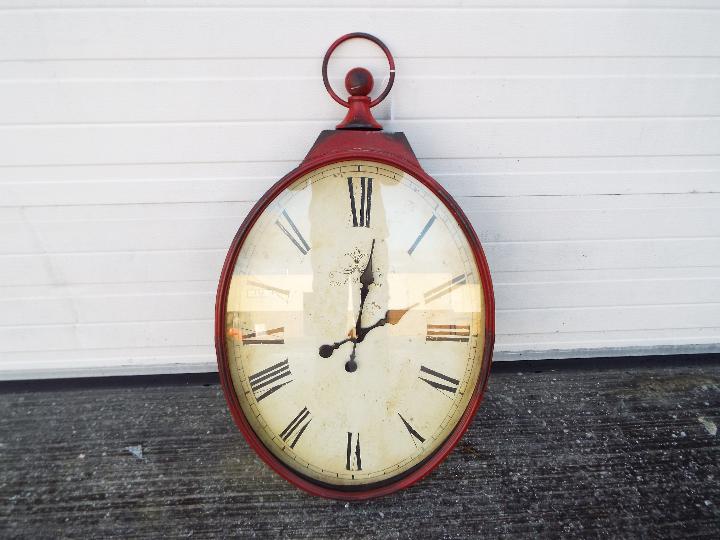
[[279, 373], [292, 233], [361, 218], [294, 431], [353, 461], [438, 381], [448, 332]]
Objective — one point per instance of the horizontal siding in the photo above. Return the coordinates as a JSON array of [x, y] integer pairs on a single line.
[[198, 264], [259, 141], [582, 139], [236, 181], [64, 102], [345, 4], [279, 69], [104, 303], [497, 220], [186, 333], [253, 32]]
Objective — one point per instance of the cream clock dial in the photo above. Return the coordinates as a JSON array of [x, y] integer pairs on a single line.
[[355, 324]]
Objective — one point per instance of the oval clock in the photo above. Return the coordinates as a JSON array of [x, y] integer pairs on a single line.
[[355, 316]]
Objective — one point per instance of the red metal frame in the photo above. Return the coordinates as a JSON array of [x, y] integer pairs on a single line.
[[331, 147], [359, 83], [376, 41]]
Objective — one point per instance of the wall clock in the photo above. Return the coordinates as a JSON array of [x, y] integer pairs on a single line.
[[354, 314]]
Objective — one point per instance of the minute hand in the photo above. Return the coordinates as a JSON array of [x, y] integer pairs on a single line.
[[366, 279]]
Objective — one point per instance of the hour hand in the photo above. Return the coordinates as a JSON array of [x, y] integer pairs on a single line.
[[392, 316], [327, 350]]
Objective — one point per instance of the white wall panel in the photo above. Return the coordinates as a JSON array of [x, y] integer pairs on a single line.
[[581, 138], [426, 32], [177, 100], [249, 141]]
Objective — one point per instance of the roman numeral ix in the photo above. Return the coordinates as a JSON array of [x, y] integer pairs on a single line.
[[274, 336], [279, 373], [448, 332], [439, 381], [362, 218], [294, 426]]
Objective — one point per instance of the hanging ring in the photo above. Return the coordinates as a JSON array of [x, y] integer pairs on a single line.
[[370, 37]]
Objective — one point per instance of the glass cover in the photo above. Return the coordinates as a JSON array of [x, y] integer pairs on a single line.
[[355, 324]]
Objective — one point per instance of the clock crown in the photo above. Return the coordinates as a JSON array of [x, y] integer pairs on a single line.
[[359, 82]]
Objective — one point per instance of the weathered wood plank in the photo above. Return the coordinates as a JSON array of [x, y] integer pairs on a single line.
[[609, 449]]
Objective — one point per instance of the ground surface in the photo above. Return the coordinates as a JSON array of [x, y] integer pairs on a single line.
[[616, 448]]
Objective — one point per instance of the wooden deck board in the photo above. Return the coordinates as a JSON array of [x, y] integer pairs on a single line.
[[604, 450]]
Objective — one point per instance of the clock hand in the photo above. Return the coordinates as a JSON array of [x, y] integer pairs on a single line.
[[351, 364], [392, 316], [366, 279], [327, 350]]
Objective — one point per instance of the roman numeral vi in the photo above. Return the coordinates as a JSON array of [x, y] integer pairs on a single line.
[[353, 461]]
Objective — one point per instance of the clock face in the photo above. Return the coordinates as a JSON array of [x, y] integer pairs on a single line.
[[355, 325]]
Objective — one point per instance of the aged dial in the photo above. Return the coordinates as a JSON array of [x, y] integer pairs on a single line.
[[354, 325]]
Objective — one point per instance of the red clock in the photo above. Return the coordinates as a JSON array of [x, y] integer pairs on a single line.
[[355, 314]]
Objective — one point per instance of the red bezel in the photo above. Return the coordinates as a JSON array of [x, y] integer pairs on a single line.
[[385, 150]]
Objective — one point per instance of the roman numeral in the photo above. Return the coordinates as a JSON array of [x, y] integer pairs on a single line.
[[414, 434], [422, 234], [353, 462], [445, 288], [292, 428], [274, 336], [438, 380], [362, 218], [274, 374], [448, 332], [294, 236]]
